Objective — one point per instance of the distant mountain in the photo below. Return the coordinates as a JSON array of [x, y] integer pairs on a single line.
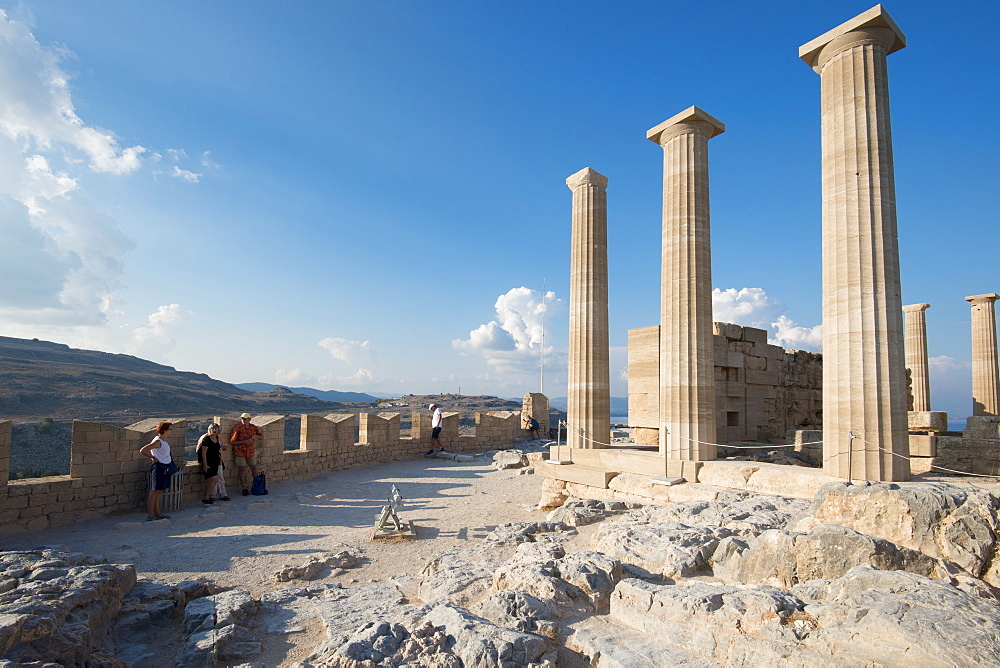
[[44, 379], [326, 395], [619, 405]]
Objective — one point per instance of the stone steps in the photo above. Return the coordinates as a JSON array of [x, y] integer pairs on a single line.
[[583, 475]]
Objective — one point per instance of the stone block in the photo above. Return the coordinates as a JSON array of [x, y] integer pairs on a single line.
[[982, 426], [933, 421], [923, 445]]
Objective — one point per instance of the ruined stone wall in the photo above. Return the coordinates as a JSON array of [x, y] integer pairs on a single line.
[[761, 390], [108, 475], [536, 405], [976, 451]]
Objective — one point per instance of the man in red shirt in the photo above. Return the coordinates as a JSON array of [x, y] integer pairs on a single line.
[[242, 438]]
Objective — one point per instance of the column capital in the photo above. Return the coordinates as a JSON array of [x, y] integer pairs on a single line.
[[874, 26], [587, 177], [691, 120], [916, 308], [980, 300]]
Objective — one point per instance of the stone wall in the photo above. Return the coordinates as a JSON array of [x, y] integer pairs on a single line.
[[976, 451], [536, 405], [108, 475], [761, 390]]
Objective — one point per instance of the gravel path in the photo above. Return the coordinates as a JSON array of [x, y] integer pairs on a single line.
[[242, 543]]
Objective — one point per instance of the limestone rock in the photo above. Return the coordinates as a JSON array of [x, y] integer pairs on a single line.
[[900, 618], [61, 606], [223, 609], [518, 611], [461, 576], [941, 520], [525, 532], [659, 549], [509, 459], [477, 642], [867, 617], [578, 512], [542, 580], [553, 494], [314, 565], [784, 559], [391, 644], [742, 513]]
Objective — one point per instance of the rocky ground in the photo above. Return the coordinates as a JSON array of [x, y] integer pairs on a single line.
[[864, 574]]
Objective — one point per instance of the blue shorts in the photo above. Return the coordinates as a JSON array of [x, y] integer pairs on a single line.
[[435, 432], [159, 476]]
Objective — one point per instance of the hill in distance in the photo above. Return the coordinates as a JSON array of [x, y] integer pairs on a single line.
[[43, 379], [326, 395]]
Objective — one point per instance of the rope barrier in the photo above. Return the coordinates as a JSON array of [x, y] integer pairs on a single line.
[[850, 452], [718, 445]]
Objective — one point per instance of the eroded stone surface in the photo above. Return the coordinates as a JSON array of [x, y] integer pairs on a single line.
[[941, 520]]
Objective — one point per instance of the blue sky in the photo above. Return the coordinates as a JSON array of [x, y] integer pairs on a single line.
[[371, 196]]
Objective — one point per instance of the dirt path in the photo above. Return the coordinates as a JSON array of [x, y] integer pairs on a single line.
[[241, 543]]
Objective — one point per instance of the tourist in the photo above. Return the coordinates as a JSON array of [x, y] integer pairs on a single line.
[[532, 426], [210, 457], [158, 450], [437, 418], [243, 438]]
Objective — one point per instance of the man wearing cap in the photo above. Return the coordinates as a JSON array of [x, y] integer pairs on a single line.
[[437, 418], [243, 438]]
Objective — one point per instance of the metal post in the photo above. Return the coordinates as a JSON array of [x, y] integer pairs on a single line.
[[850, 455]]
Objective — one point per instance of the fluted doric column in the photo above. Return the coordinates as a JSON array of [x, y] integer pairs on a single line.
[[916, 355], [864, 371], [687, 364], [985, 374], [588, 413]]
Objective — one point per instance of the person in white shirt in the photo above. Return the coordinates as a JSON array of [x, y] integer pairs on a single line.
[[158, 450], [437, 419]]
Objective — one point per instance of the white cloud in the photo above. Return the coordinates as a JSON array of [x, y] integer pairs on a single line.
[[62, 255], [293, 378], [357, 355], [346, 350], [37, 110], [189, 176], [795, 337], [160, 325], [752, 307], [512, 343]]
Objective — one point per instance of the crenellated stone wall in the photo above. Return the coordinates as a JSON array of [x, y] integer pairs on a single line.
[[108, 475]]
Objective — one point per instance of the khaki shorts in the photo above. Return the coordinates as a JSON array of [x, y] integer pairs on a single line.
[[245, 461]]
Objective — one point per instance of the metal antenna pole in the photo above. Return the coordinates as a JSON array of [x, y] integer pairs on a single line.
[[541, 366]]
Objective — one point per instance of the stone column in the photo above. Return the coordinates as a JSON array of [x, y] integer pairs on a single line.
[[985, 376], [588, 410], [687, 363], [916, 355], [864, 371]]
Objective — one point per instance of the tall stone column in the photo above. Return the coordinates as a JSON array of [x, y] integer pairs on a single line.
[[588, 410], [985, 375], [687, 362], [864, 372], [916, 355]]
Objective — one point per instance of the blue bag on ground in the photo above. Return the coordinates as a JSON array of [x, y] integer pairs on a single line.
[[259, 486]]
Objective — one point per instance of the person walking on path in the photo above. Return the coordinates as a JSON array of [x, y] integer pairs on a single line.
[[158, 450], [437, 419], [243, 438], [210, 457]]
